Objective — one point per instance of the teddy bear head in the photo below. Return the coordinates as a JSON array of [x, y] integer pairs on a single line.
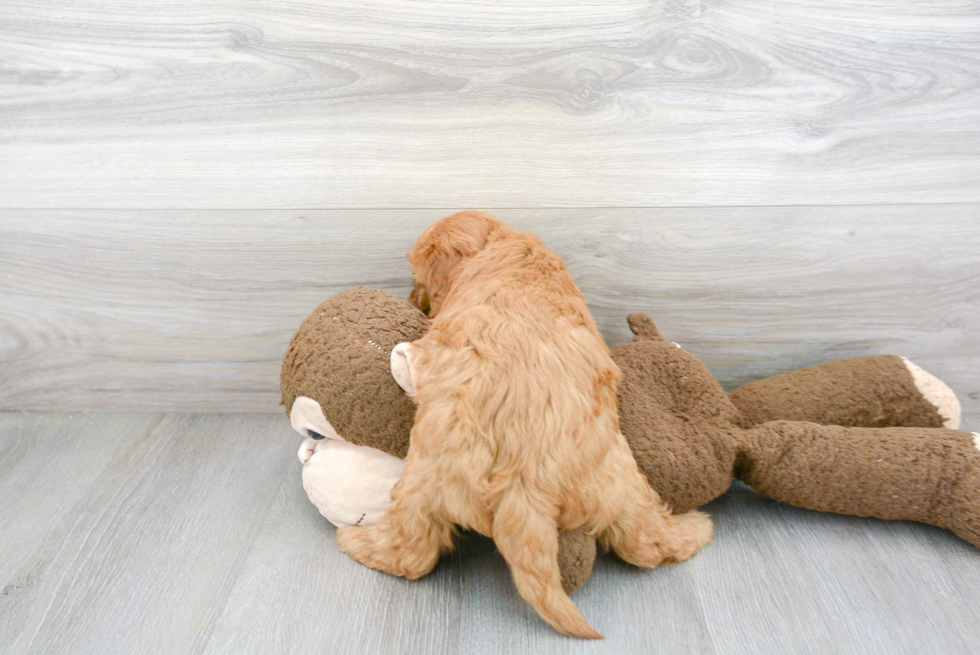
[[336, 377], [340, 396]]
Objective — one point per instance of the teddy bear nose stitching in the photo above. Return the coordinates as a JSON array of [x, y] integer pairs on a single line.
[[314, 435]]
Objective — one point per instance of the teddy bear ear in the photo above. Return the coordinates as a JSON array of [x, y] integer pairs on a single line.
[[404, 357], [642, 326]]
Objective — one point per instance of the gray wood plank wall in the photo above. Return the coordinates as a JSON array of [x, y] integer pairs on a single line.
[[777, 184], [331, 104], [193, 309]]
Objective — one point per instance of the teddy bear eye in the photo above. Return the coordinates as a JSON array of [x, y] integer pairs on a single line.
[[314, 435]]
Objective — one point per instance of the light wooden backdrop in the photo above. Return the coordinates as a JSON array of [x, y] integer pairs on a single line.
[[777, 184]]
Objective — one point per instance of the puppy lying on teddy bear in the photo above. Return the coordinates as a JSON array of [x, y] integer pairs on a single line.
[[871, 436]]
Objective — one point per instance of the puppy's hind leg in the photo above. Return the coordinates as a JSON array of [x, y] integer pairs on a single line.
[[409, 538], [528, 540], [646, 533]]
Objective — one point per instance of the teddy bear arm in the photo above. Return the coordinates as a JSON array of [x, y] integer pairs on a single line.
[[684, 477], [931, 475], [874, 391]]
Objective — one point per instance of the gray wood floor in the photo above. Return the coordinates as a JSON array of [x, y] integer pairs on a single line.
[[186, 533]]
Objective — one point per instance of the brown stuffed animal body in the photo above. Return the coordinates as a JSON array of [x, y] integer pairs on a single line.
[[689, 438]]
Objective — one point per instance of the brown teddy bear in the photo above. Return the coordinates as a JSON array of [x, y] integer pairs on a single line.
[[691, 439], [824, 438]]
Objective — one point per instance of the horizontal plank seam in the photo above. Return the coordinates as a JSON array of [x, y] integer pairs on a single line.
[[507, 207]]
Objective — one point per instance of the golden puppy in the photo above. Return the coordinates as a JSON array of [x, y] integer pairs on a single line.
[[517, 432]]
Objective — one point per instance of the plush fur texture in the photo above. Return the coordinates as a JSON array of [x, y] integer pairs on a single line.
[[355, 331], [873, 391], [690, 439], [516, 434]]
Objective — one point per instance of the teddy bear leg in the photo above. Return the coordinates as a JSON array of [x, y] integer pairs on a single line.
[[576, 557], [963, 513], [873, 392], [409, 538], [931, 475], [646, 534]]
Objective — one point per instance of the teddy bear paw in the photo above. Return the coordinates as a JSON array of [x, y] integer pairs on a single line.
[[937, 393]]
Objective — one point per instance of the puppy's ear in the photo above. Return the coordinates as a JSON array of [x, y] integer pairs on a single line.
[[441, 249], [420, 298], [440, 264]]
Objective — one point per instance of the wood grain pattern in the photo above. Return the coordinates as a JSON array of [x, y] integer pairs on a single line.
[[48, 464], [191, 533], [192, 310], [314, 599], [810, 173], [335, 104], [153, 537]]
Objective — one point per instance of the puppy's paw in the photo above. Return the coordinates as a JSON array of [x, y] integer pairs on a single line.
[[373, 548], [369, 547], [692, 531]]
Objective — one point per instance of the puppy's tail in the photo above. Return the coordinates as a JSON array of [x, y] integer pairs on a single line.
[[528, 541]]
